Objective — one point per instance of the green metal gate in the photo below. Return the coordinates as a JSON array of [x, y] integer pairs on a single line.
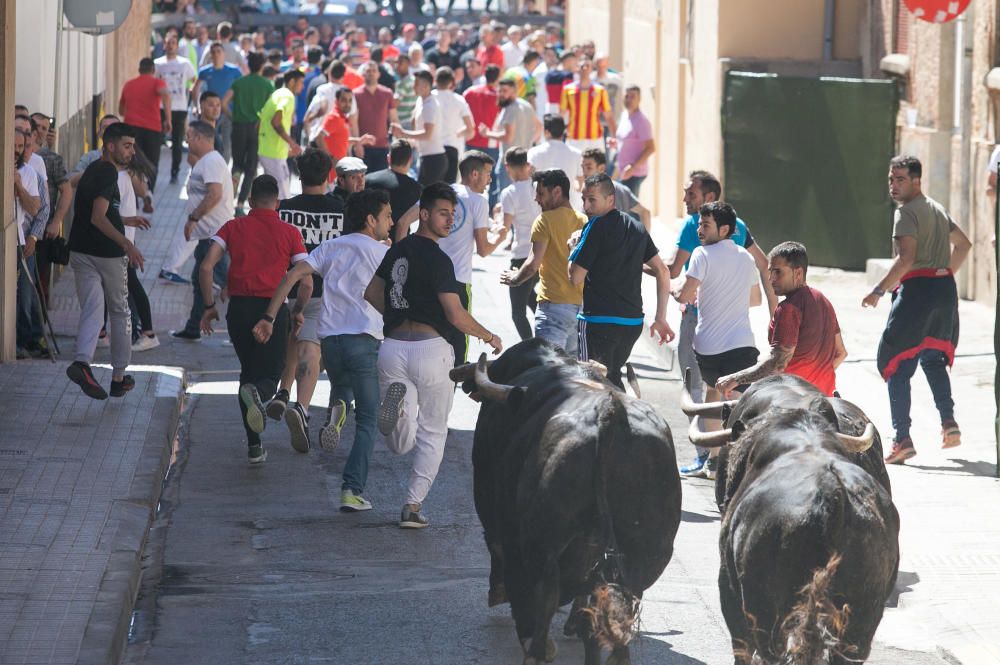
[[807, 159]]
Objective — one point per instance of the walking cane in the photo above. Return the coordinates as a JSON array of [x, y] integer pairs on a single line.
[[50, 335]]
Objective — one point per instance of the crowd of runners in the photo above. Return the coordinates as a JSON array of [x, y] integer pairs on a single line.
[[412, 154]]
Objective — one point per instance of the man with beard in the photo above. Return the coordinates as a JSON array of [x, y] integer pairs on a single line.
[[517, 126]]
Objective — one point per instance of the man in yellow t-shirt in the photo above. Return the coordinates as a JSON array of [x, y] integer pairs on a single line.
[[274, 141], [558, 300]]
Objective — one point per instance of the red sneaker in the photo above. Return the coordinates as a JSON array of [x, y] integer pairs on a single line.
[[901, 451]]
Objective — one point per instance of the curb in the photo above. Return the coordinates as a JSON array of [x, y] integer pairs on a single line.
[[111, 617]]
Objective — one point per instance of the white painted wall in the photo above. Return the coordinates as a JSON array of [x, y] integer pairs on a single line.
[[82, 74]]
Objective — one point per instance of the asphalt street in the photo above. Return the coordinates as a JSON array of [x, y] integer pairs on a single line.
[[258, 566]]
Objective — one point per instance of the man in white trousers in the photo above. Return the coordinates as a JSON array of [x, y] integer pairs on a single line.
[[415, 290]]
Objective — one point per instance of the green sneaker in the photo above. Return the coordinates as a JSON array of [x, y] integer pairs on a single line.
[[350, 502], [255, 408], [329, 434]]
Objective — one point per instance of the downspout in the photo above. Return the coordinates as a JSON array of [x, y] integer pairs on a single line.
[[830, 12]]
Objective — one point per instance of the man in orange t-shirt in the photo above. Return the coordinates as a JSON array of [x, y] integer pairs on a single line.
[[335, 135]]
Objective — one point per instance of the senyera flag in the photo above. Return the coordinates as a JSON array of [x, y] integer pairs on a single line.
[[936, 11]]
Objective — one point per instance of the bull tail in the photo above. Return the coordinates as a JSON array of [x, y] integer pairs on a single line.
[[815, 627], [612, 614]]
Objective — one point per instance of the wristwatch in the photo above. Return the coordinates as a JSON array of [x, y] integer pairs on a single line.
[[192, 218]]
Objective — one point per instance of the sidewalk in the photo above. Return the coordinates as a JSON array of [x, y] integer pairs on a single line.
[[947, 499], [80, 479]]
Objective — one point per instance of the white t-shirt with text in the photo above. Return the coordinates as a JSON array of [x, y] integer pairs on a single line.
[[347, 264], [178, 74], [471, 212], [727, 273]]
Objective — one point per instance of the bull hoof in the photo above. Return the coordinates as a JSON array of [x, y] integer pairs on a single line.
[[498, 595], [550, 653], [620, 657]]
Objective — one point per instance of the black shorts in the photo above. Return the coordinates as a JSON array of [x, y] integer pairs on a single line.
[[723, 364]]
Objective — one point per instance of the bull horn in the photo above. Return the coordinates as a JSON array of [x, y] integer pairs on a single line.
[[858, 444], [633, 382], [496, 392], [715, 439], [707, 409], [599, 367], [465, 372]]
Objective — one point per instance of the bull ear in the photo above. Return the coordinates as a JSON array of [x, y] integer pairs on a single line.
[[516, 398]]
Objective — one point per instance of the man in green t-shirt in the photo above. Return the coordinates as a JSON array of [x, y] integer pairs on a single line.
[[248, 94], [275, 143]]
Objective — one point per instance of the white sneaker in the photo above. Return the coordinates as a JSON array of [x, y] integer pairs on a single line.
[[353, 503], [145, 343]]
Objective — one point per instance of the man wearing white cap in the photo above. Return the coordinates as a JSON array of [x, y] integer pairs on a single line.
[[350, 177]]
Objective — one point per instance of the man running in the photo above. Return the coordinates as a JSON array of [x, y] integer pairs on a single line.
[[923, 320], [349, 328], [261, 247], [608, 260], [804, 334], [415, 290]]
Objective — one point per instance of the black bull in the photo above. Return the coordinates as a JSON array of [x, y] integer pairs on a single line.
[[809, 540], [577, 489]]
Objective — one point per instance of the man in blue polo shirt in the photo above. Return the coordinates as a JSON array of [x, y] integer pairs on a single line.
[[218, 77], [702, 187], [608, 260]]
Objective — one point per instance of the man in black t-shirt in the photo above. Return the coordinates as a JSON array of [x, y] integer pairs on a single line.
[[404, 191], [415, 290], [100, 257], [317, 217], [608, 260], [442, 55]]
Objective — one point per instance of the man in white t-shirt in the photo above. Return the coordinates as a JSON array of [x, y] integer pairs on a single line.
[[427, 131], [456, 120], [723, 278], [554, 153], [520, 210], [179, 75], [350, 329], [209, 206], [470, 230]]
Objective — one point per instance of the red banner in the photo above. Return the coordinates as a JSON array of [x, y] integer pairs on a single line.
[[936, 11]]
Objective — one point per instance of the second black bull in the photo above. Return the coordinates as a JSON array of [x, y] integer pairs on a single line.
[[577, 488]]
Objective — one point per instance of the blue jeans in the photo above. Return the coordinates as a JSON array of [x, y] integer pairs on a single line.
[[556, 323], [351, 363], [935, 365], [219, 274]]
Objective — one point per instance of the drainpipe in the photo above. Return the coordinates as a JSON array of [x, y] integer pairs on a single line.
[[56, 111], [830, 11]]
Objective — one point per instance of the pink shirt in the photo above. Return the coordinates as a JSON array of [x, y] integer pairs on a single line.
[[633, 132], [373, 113]]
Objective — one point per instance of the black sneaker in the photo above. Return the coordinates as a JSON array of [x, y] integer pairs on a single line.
[[392, 406], [81, 374], [186, 335], [119, 388], [412, 519], [255, 409], [256, 455], [276, 405], [298, 426]]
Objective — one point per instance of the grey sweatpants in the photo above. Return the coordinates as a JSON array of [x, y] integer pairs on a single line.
[[686, 357], [100, 281]]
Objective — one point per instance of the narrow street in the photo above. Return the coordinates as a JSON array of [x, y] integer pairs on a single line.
[[258, 566]]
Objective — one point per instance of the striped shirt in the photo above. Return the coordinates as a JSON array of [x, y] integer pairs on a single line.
[[585, 106]]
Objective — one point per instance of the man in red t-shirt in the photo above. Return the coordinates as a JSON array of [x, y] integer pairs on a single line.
[[261, 247], [376, 109], [804, 333], [335, 135], [488, 52], [482, 101], [139, 107]]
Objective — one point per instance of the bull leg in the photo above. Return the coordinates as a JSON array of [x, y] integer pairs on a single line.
[[591, 651], [736, 620], [620, 656], [571, 628], [543, 649], [498, 591]]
